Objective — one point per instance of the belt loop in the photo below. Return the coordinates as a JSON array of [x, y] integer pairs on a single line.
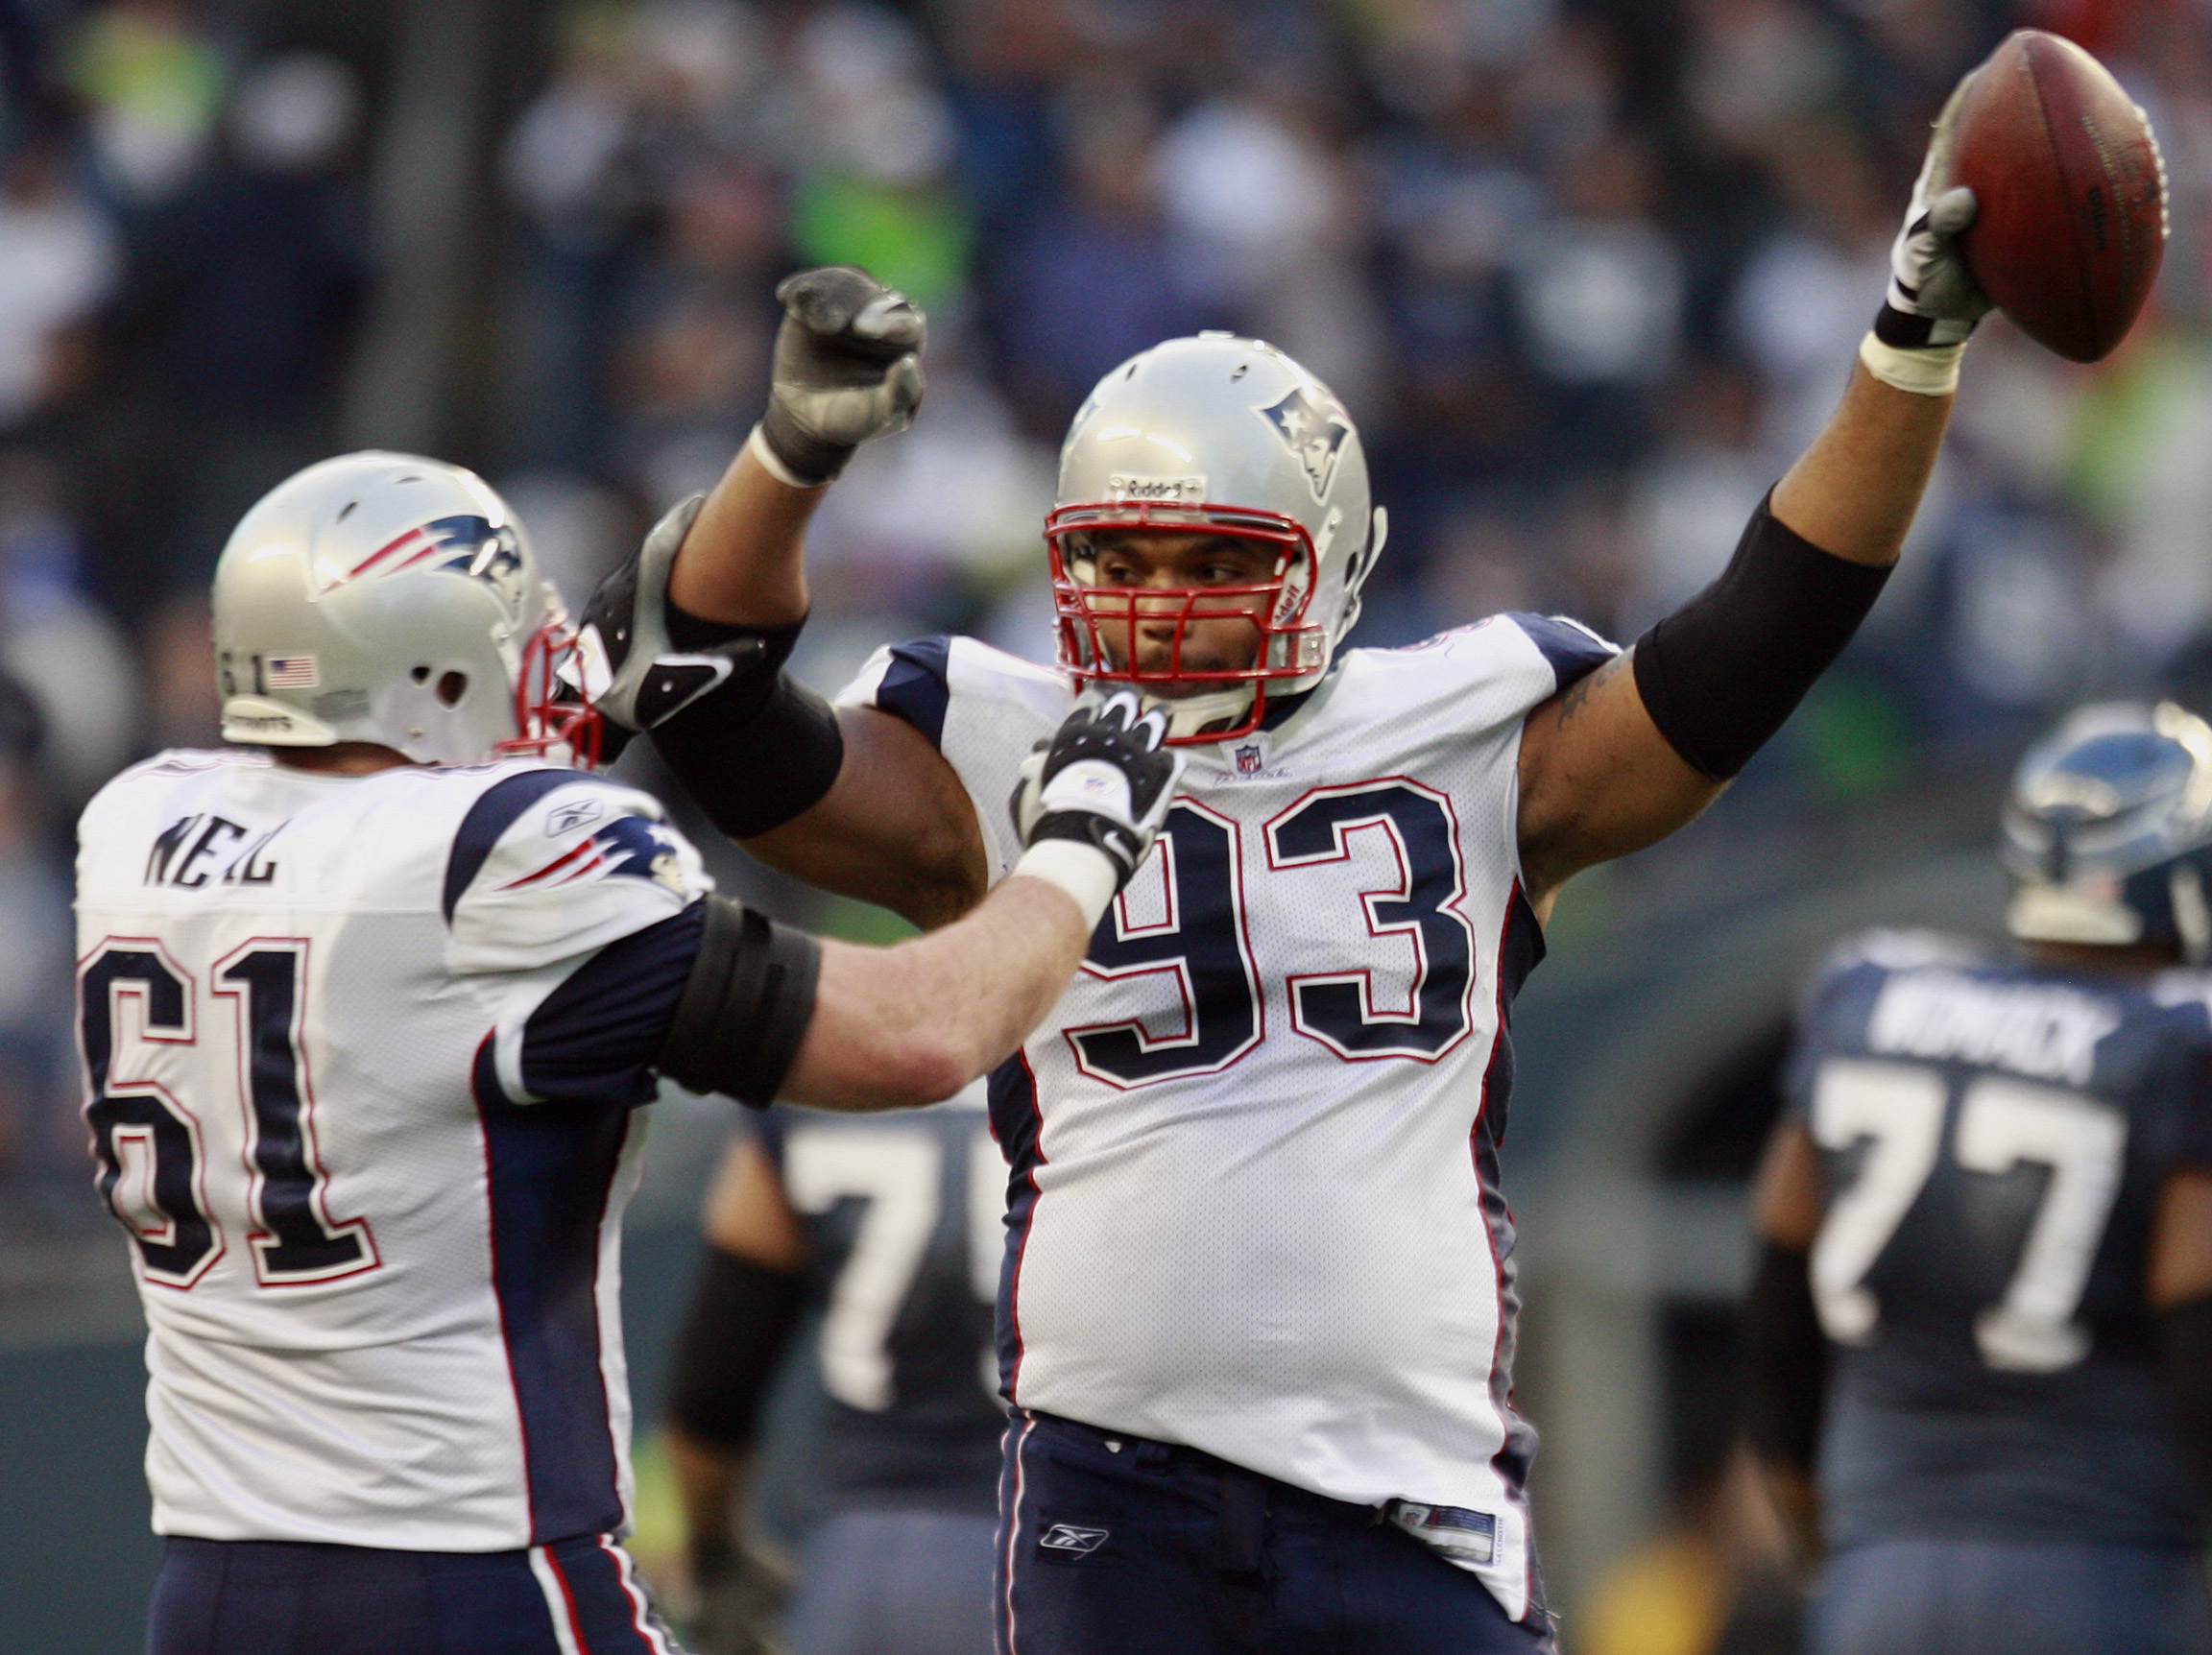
[[1240, 1557]]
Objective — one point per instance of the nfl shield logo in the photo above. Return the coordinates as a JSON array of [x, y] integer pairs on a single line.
[[1248, 760]]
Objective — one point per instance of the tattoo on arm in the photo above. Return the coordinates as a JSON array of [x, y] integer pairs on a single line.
[[1579, 691]]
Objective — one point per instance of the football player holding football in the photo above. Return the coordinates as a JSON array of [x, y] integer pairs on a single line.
[[368, 1003], [1257, 1314], [1982, 1315]]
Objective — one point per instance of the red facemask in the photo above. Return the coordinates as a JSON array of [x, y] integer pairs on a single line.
[[551, 711], [1088, 616]]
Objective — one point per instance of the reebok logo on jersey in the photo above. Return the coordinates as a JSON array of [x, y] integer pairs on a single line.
[[1073, 1540], [576, 813]]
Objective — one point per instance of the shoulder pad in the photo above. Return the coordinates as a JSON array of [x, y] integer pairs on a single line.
[[1896, 950], [551, 863]]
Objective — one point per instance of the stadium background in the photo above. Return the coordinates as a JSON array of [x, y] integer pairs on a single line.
[[1587, 273]]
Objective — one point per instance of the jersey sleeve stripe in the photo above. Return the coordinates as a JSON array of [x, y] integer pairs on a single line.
[[917, 686], [593, 1039], [490, 818], [1572, 649]]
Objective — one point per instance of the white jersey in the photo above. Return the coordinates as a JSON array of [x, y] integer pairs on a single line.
[[1253, 1206], [340, 1038]]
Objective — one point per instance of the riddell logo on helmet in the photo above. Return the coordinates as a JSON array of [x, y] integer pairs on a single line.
[[1314, 431], [1177, 490]]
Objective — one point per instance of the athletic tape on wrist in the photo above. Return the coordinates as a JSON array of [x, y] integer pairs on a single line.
[[1083, 871], [757, 445], [1931, 371]]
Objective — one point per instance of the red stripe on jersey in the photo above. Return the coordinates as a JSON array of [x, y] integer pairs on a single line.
[[589, 848]]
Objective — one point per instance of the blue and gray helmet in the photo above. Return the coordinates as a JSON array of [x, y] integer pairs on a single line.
[[2108, 830]]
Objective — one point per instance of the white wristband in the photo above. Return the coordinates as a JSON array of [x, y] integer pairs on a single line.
[[1083, 871], [1933, 371], [757, 445]]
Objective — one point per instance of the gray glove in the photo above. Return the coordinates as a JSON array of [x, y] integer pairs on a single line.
[[1933, 298], [1104, 780], [847, 368]]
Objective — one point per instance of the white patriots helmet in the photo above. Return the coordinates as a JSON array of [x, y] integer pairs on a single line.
[[392, 599], [1223, 436]]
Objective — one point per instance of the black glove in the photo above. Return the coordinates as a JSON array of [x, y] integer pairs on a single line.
[[847, 368], [1104, 780]]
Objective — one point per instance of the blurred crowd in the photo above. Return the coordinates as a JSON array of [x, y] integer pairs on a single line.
[[1587, 273]]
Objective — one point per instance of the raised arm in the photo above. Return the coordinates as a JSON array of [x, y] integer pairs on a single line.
[[1639, 748], [697, 628]]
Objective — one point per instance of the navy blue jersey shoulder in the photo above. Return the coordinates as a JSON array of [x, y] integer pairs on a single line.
[[1574, 651], [916, 685], [1996, 1372], [488, 819], [594, 1038]]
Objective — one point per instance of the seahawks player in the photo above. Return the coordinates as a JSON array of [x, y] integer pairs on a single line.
[[884, 1232], [1257, 1313], [367, 1006], [1984, 1306]]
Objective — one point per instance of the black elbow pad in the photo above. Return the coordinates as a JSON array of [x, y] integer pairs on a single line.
[[1724, 673], [761, 748], [745, 1007]]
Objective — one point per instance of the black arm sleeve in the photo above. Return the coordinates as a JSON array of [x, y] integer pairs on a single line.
[[2185, 1364], [762, 747], [742, 1318], [745, 1007], [1722, 673], [1785, 1358]]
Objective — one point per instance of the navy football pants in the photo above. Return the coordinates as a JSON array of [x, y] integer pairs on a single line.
[[1991, 1598], [1154, 1549], [575, 1596]]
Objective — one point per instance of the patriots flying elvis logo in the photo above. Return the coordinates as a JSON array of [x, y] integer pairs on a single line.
[[1313, 430], [627, 845], [466, 545]]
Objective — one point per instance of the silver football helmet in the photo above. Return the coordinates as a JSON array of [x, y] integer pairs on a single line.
[[1222, 435], [2108, 830], [389, 598]]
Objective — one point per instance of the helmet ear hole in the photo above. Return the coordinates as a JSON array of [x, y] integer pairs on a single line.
[[451, 687]]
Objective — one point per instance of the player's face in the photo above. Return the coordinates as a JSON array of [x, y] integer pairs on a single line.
[[1220, 635]]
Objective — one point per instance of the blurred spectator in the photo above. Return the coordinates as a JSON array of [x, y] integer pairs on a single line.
[[59, 647], [61, 260], [874, 183], [154, 86], [41, 1142], [1092, 281], [241, 315]]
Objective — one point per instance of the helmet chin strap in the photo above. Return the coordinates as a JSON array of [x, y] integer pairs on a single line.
[[1191, 715]]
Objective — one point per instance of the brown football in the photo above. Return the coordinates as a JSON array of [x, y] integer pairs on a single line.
[[2072, 219]]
